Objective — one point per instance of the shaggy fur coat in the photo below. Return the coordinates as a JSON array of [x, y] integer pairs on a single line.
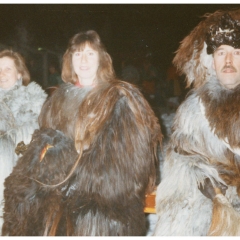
[[204, 144], [19, 111], [93, 180]]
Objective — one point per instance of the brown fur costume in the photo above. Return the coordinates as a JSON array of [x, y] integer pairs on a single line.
[[102, 188]]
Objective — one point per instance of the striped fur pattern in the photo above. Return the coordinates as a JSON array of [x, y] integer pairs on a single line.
[[116, 136]]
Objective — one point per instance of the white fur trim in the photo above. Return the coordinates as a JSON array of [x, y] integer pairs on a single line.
[[19, 110]]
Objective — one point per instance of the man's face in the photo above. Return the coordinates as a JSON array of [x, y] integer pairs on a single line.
[[226, 63]]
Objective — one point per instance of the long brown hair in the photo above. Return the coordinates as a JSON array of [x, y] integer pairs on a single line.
[[19, 64], [105, 71]]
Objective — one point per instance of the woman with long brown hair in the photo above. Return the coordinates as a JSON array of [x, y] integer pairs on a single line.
[[115, 135]]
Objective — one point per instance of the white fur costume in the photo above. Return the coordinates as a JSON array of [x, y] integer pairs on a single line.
[[19, 110], [182, 209], [205, 136]]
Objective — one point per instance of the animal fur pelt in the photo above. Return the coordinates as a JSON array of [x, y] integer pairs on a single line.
[[19, 110], [210, 150], [31, 207], [102, 190]]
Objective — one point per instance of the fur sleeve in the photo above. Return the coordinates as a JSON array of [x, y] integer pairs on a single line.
[[117, 120]]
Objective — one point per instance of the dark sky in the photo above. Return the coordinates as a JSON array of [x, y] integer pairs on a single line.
[[154, 29]]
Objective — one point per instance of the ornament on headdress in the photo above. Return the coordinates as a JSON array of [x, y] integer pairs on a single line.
[[227, 32]]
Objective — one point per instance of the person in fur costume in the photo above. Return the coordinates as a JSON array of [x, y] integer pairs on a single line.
[[20, 105], [200, 187], [94, 158]]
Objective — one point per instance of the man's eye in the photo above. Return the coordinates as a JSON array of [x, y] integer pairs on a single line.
[[237, 52], [220, 53]]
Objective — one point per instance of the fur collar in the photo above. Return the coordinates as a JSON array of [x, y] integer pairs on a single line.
[[23, 101], [222, 110]]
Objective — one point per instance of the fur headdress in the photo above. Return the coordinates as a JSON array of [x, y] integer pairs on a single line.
[[193, 58]]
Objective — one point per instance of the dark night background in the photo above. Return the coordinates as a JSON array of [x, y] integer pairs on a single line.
[[126, 29]]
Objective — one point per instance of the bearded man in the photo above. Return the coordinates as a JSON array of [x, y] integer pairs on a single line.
[[199, 191]]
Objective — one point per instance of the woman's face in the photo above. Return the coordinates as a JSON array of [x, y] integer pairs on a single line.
[[85, 64], [8, 73]]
